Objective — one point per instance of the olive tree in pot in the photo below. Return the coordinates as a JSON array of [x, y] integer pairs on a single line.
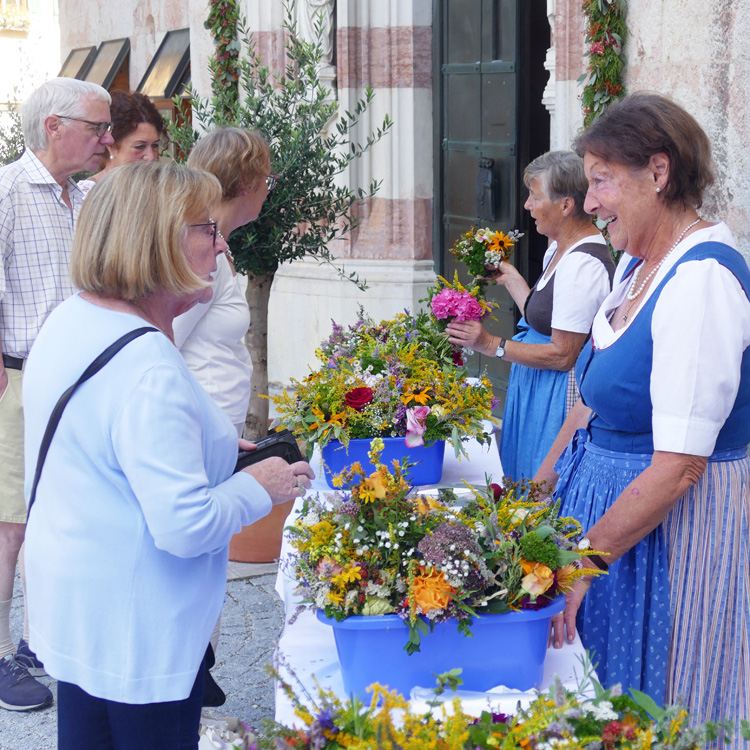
[[311, 146]]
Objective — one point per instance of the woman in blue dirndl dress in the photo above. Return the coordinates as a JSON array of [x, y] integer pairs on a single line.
[[558, 311], [657, 470]]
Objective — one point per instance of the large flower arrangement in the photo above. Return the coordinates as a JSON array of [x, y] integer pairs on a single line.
[[557, 719], [396, 378], [376, 550]]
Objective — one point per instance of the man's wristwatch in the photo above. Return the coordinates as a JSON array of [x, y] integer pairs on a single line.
[[500, 351], [600, 563]]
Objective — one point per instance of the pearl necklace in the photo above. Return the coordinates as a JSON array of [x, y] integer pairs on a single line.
[[227, 252], [633, 295]]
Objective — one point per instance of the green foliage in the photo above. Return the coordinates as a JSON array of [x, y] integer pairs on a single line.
[[535, 549], [12, 144], [605, 40], [311, 146], [558, 717], [223, 17]]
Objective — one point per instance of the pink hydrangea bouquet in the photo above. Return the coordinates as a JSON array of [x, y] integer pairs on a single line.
[[453, 301]]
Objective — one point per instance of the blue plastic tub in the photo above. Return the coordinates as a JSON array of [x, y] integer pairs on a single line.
[[427, 471], [507, 649]]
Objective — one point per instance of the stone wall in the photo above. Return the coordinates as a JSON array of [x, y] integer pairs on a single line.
[[698, 53], [29, 57], [144, 22]]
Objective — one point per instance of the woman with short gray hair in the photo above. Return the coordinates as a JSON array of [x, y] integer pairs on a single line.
[[557, 311]]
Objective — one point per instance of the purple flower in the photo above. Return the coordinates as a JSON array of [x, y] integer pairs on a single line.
[[325, 720], [497, 719], [349, 508], [436, 548]]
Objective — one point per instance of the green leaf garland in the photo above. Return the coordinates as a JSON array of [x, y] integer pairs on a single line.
[[605, 40], [223, 16]]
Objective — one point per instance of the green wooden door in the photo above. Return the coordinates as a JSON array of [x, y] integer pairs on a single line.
[[488, 116]]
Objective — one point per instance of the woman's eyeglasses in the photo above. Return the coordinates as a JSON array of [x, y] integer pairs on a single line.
[[210, 228], [271, 181], [100, 128]]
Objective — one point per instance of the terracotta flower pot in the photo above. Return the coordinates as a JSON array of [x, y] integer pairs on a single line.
[[261, 541]]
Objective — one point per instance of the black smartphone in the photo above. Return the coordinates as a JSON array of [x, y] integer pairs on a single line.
[[282, 444]]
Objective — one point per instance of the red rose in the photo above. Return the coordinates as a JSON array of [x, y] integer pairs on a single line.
[[497, 491], [358, 398]]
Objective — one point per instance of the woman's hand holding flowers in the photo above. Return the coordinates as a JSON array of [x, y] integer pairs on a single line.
[[564, 624], [471, 335]]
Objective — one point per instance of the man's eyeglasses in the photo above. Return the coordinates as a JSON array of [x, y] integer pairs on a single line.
[[210, 228], [100, 128], [271, 181]]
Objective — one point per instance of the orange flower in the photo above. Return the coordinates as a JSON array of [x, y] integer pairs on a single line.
[[566, 576], [425, 504], [538, 578], [374, 487], [421, 398], [432, 591], [501, 243]]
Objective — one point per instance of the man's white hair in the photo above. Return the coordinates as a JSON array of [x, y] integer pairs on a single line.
[[61, 96]]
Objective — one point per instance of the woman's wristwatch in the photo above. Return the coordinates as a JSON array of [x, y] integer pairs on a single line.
[[500, 351], [600, 563]]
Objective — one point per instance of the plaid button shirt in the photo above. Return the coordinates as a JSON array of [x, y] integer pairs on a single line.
[[36, 237]]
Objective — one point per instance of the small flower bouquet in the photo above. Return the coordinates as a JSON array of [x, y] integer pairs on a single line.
[[558, 718], [396, 378], [453, 301], [377, 550], [483, 249]]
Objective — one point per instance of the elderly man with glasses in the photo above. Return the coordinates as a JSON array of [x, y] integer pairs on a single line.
[[66, 126]]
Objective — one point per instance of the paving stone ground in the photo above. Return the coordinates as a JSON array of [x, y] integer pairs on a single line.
[[251, 623]]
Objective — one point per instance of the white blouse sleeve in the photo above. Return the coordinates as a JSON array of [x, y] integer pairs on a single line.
[[581, 284], [700, 329]]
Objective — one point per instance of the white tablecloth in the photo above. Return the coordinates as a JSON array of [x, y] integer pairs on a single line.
[[307, 646]]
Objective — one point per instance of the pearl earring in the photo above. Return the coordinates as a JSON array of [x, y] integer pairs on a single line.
[[658, 190]]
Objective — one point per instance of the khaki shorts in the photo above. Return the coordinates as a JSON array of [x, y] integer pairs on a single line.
[[12, 504]]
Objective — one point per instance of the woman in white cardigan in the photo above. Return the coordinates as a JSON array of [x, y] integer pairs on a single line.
[[126, 545]]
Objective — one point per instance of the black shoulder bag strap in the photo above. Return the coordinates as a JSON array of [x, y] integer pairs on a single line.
[[54, 419]]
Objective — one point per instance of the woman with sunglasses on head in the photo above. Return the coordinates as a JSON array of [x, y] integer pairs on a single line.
[[211, 336], [138, 130]]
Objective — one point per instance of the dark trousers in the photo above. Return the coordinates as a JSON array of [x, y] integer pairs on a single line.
[[86, 722]]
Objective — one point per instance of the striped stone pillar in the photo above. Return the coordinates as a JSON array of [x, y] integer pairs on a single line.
[[387, 45]]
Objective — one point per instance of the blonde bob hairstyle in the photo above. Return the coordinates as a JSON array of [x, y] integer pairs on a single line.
[[129, 242], [240, 158]]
